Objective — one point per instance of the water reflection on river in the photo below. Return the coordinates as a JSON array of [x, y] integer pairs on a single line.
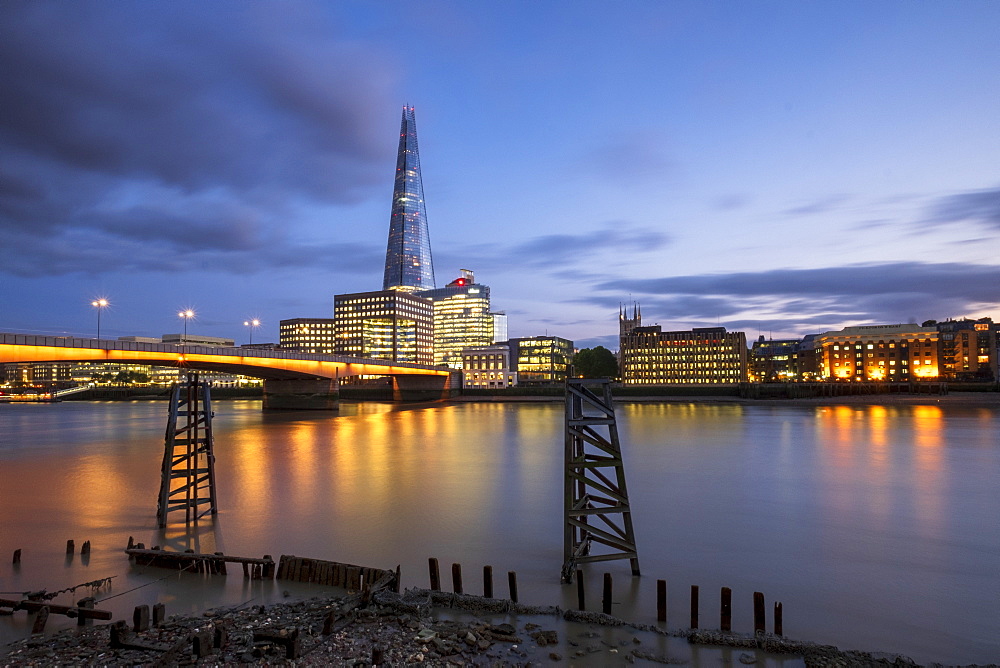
[[876, 526]]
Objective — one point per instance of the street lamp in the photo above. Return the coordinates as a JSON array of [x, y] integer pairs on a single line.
[[252, 324], [100, 305], [186, 315]]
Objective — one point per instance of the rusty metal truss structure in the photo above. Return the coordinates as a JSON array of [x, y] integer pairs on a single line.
[[597, 509], [187, 481]]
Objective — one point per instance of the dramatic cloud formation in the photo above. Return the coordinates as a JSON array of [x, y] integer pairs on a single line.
[[132, 130], [802, 299]]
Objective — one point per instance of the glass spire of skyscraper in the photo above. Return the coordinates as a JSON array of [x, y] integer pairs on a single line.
[[408, 264]]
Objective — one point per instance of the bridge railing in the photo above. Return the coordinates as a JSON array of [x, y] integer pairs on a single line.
[[187, 349]]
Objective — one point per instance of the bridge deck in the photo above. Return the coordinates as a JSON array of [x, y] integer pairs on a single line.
[[247, 361]]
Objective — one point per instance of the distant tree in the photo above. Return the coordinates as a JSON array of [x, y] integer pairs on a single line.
[[596, 362], [928, 323]]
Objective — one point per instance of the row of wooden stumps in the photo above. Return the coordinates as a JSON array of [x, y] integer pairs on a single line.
[[725, 597], [456, 579], [82, 611], [209, 564], [335, 573], [70, 550]]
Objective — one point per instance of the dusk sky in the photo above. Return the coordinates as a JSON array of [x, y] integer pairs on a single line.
[[780, 168]]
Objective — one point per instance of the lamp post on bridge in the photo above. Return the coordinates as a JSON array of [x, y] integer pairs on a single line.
[[186, 314], [100, 305], [252, 324]]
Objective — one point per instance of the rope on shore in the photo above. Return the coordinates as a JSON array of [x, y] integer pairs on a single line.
[[44, 595], [128, 591]]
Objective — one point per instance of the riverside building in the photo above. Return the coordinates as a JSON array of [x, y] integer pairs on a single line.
[[488, 367], [878, 352], [307, 335], [387, 324], [462, 318], [541, 360], [703, 355]]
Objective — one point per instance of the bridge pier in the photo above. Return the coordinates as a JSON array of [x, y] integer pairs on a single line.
[[309, 394], [424, 388]]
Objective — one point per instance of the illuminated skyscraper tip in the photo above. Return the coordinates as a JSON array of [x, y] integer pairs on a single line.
[[408, 263]]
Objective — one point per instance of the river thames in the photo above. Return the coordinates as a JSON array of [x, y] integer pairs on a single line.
[[875, 526]]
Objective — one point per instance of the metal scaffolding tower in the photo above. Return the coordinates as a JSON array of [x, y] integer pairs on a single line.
[[187, 481], [596, 500]]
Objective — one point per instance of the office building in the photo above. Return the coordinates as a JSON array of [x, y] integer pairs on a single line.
[[878, 352], [462, 318], [408, 264], [488, 367], [968, 349], [307, 335], [774, 360], [703, 355], [541, 360], [198, 340], [387, 324]]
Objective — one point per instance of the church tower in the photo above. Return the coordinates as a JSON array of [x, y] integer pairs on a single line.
[[626, 324]]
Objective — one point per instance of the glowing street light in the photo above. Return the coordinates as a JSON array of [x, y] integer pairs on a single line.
[[100, 305], [186, 315], [252, 324]]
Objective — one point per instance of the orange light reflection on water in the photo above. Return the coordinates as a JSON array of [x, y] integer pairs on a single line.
[[866, 461]]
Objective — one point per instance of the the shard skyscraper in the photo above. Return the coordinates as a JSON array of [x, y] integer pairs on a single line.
[[408, 264]]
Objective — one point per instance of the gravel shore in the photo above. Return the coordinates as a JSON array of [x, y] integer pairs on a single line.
[[419, 627]]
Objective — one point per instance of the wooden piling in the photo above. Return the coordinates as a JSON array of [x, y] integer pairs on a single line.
[[432, 564], [201, 644], [456, 578], [159, 614], [758, 613], [269, 568], [117, 634], [70, 546], [694, 606], [41, 617], [220, 564], [581, 598], [87, 603], [399, 580], [778, 622], [131, 543], [17, 556], [661, 600], [606, 600], [726, 609], [85, 548], [512, 585], [140, 618], [487, 581], [354, 578]]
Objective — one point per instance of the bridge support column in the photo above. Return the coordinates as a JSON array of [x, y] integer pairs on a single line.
[[424, 388], [302, 394]]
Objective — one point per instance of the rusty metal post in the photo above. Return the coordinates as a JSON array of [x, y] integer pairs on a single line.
[[596, 505], [187, 476]]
